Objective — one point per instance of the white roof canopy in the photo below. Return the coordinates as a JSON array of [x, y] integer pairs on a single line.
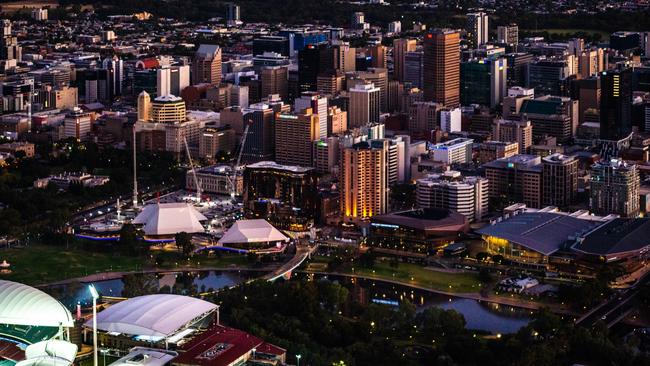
[[170, 218], [252, 231], [158, 315], [24, 305]]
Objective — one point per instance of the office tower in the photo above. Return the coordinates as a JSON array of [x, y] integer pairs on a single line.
[[552, 116], [477, 29], [378, 55], [614, 188], [358, 21], [519, 131], [379, 78], [508, 34], [559, 180], [260, 143], [9, 48], [456, 151], [514, 100], [625, 42], [97, 85], [239, 96], [274, 80], [77, 124], [330, 82], [215, 139], [450, 120], [616, 104], [337, 121], [363, 183], [588, 63], [400, 47], [39, 14], [465, 195], [233, 16], [493, 150], [344, 57], [206, 67], [271, 44], [115, 69], [318, 104], [395, 27], [423, 117], [516, 179], [483, 81], [442, 67], [588, 98], [414, 69], [395, 96], [548, 76], [364, 105], [163, 81], [144, 106], [168, 109], [326, 154], [309, 66], [518, 68], [295, 134]]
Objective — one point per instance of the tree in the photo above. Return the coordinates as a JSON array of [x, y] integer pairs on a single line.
[[481, 256], [184, 243], [367, 259]]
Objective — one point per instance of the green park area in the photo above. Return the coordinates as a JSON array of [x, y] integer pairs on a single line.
[[408, 273], [39, 264]]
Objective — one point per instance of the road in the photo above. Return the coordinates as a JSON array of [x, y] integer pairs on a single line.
[[614, 309]]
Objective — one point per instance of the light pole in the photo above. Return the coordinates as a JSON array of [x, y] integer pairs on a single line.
[[298, 360], [95, 295]]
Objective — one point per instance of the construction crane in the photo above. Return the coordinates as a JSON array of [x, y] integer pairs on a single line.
[[196, 180], [235, 169]]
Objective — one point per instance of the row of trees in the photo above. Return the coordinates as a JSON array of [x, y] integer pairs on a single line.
[[321, 321]]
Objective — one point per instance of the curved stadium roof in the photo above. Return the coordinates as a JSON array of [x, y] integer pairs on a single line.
[[158, 315], [24, 305]]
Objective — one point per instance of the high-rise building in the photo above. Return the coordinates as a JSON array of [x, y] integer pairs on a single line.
[[400, 47], [559, 180], [442, 67], [260, 143], [295, 134], [456, 151], [451, 120], [9, 48], [516, 179], [310, 66], [326, 154], [518, 68], [206, 67], [115, 70], [413, 72], [233, 15], [493, 150], [423, 117], [215, 139], [168, 109], [519, 131], [616, 104], [477, 29], [274, 80], [614, 188], [144, 106], [379, 78], [552, 116], [363, 182], [318, 104], [589, 62], [508, 34], [514, 100], [337, 121], [365, 100], [77, 124], [330, 82], [465, 195], [483, 81], [548, 76]]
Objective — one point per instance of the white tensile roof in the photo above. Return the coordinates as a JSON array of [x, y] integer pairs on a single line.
[[52, 348], [24, 305], [252, 231], [170, 218], [158, 315]]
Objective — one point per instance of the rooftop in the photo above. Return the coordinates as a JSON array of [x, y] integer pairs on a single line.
[[252, 231], [616, 237], [428, 219], [274, 165]]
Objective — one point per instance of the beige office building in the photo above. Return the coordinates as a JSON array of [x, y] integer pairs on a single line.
[[363, 182]]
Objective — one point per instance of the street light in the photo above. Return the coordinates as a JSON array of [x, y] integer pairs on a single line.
[[298, 360], [95, 296]]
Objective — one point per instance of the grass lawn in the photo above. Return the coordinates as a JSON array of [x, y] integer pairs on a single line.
[[418, 275], [39, 264]]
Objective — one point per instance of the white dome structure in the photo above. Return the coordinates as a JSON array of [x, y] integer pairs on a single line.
[[159, 315], [24, 305], [252, 231], [169, 219]]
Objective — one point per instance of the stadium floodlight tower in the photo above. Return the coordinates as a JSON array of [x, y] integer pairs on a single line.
[[95, 296]]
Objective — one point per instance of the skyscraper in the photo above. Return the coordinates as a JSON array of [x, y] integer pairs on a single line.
[[614, 188], [365, 100], [233, 15], [508, 34], [206, 67], [400, 47], [144, 106], [318, 105], [483, 81], [295, 134], [477, 29], [559, 180], [274, 80], [442, 67], [616, 104], [466, 195], [363, 182]]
